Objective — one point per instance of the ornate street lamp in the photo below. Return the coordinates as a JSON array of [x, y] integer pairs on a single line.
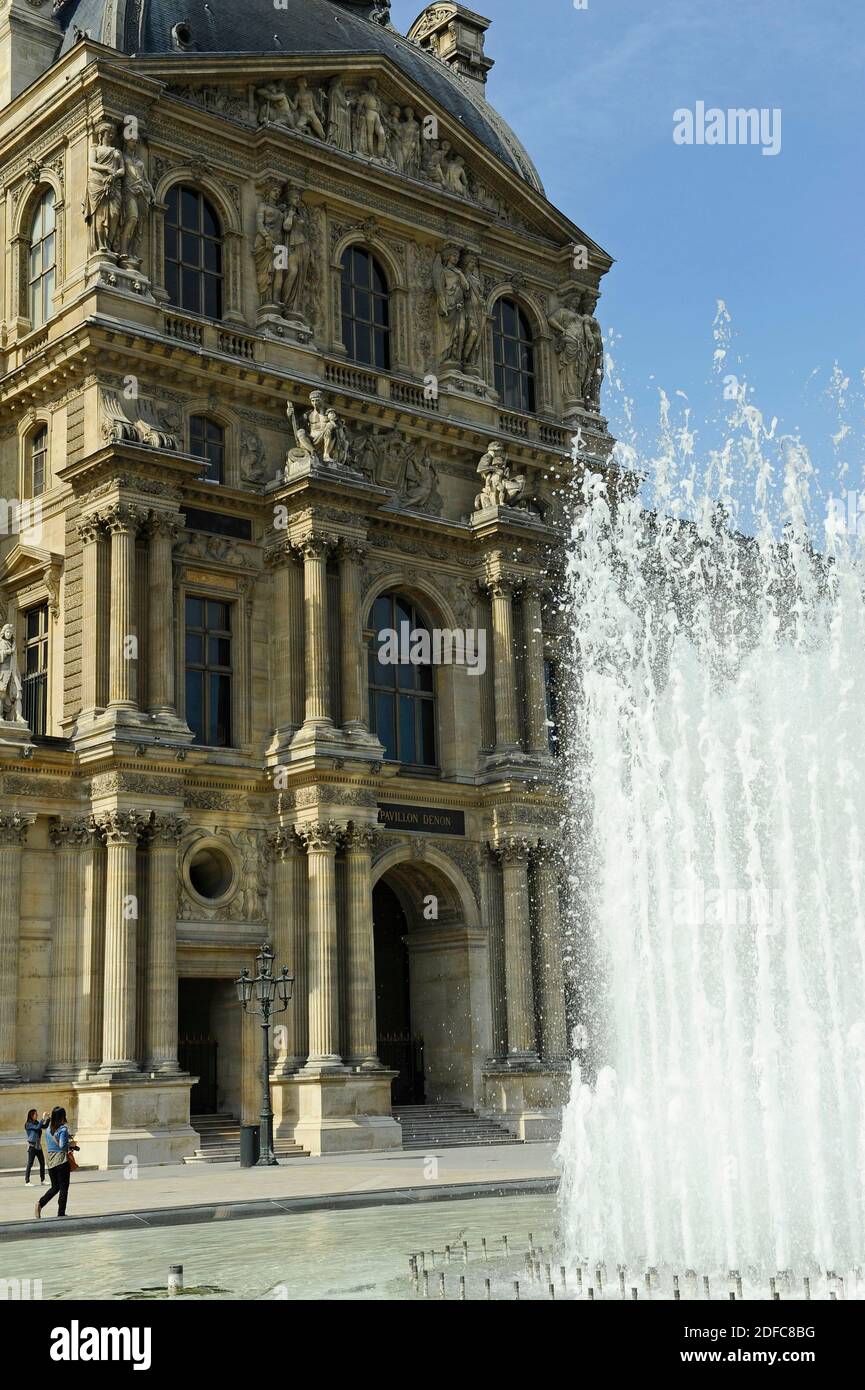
[[259, 997]]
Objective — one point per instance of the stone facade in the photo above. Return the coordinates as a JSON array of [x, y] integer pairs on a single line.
[[140, 863]]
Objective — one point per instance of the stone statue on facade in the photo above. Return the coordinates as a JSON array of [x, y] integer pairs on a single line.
[[268, 235], [412, 143], [419, 483], [339, 116], [459, 289], [572, 348], [370, 134], [103, 204], [324, 438], [138, 197], [307, 116], [11, 689], [594, 339], [274, 104], [500, 487], [295, 233], [253, 468]]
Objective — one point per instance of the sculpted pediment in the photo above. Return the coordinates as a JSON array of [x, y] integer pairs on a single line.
[[26, 565]]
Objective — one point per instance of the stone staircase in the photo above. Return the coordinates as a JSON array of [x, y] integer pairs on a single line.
[[220, 1141], [432, 1127]]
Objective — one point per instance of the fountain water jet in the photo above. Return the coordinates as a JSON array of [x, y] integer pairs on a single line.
[[717, 795]]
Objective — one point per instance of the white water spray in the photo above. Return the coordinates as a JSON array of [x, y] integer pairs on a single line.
[[717, 789]]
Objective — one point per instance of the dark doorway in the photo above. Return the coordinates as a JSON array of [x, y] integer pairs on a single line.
[[398, 1048], [197, 1048]]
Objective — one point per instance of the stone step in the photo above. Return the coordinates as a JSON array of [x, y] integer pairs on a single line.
[[449, 1127]]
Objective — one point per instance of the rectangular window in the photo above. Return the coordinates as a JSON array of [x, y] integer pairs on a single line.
[[35, 677], [209, 670]]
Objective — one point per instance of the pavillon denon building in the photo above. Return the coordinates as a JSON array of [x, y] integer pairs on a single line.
[[294, 349]]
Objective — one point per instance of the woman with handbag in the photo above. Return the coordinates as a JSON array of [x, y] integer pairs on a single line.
[[33, 1128], [61, 1150]]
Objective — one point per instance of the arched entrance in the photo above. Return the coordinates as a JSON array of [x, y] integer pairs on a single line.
[[432, 978]]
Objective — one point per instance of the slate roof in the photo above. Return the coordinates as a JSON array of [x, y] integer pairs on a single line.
[[232, 27]]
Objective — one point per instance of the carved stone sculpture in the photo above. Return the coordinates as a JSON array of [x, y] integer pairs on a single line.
[[274, 104], [339, 114], [459, 291], [307, 117], [11, 689], [103, 204], [323, 439], [571, 348], [268, 234], [594, 339], [138, 198], [370, 134], [295, 231], [419, 484], [500, 487], [253, 468]]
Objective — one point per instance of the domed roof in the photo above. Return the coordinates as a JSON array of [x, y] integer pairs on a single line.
[[322, 27]]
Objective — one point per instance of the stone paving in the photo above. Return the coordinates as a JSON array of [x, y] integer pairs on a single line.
[[183, 1193]]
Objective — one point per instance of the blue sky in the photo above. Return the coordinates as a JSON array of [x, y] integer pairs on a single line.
[[781, 240]]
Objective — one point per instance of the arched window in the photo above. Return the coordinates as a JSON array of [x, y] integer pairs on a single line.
[[401, 687], [42, 266], [207, 441], [193, 252], [365, 309], [513, 356], [37, 462]]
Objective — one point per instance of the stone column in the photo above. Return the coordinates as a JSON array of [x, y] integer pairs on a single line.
[[121, 829], [164, 528], [91, 532], [354, 718], [289, 913], [286, 641], [495, 932], [550, 957], [360, 949], [13, 834], [122, 522], [315, 553], [161, 943], [321, 842], [522, 1043], [507, 723], [69, 838], [91, 951], [536, 688]]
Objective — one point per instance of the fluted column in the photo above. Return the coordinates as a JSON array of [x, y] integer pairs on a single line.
[[69, 838], [288, 667], [315, 553], [165, 832], [91, 532], [354, 718], [522, 1043], [91, 955], [122, 829], [360, 949], [123, 522], [550, 957], [321, 842], [536, 688], [13, 835], [289, 913], [495, 932], [163, 528], [507, 722]]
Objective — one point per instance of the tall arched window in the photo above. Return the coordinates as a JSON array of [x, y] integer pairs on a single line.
[[513, 356], [365, 309], [207, 441], [37, 461], [193, 252], [42, 267], [402, 708]]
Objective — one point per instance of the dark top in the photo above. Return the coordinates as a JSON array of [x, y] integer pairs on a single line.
[[34, 1130]]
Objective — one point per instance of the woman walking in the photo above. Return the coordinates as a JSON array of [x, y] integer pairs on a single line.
[[33, 1128], [60, 1146]]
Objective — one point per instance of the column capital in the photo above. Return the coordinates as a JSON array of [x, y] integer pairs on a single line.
[[322, 835], [514, 849], [548, 852], [500, 586], [121, 827], [73, 833], [14, 827], [283, 843], [165, 830], [361, 838], [352, 550], [168, 524], [122, 518], [90, 527], [279, 555], [315, 546]]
